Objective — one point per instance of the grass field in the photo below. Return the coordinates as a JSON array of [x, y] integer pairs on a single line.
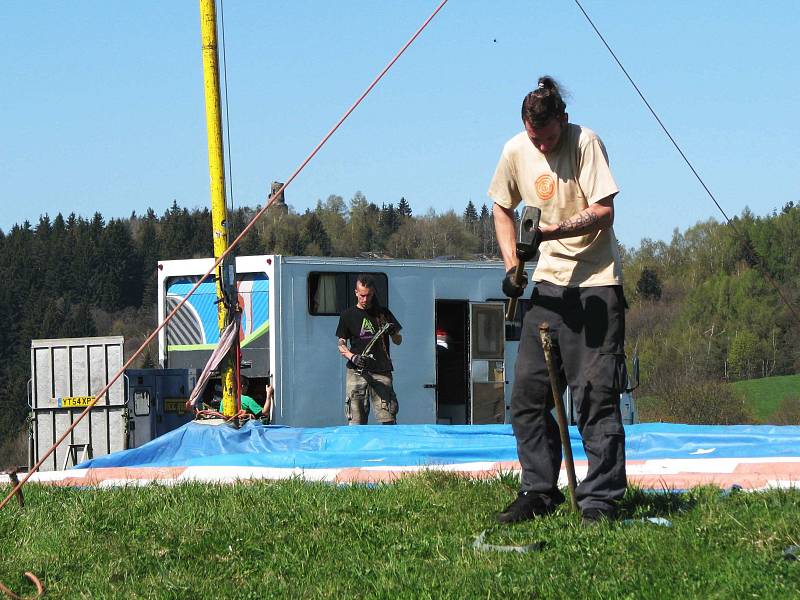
[[412, 539], [764, 395]]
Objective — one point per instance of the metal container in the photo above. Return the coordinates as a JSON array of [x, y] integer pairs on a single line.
[[157, 399], [65, 376]]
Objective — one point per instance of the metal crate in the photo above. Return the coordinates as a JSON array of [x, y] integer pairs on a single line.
[[65, 376]]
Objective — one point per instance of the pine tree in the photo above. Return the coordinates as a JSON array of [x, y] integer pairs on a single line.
[[316, 235], [44, 228], [58, 253], [52, 319], [390, 222], [79, 321], [149, 251], [403, 208], [120, 280], [470, 214], [649, 287], [486, 234], [471, 218]]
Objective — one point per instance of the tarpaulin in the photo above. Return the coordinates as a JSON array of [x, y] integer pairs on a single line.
[[257, 445]]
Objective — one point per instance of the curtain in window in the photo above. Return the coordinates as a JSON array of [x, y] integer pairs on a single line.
[[325, 298]]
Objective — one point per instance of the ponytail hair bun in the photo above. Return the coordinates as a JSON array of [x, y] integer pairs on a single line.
[[543, 103]]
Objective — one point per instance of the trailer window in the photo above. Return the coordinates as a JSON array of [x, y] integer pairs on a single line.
[[514, 327], [195, 326], [330, 294]]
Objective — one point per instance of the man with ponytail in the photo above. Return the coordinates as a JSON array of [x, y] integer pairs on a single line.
[[562, 169]]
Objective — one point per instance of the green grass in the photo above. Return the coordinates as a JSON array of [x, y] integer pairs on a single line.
[[412, 539], [764, 395]]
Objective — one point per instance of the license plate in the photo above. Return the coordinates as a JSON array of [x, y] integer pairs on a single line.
[[74, 401], [175, 405]]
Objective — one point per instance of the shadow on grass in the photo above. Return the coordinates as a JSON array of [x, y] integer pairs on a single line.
[[655, 503], [637, 503]]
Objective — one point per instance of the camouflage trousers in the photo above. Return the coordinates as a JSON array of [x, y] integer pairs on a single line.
[[365, 386]]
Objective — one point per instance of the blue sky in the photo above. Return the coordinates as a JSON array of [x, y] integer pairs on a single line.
[[102, 106]]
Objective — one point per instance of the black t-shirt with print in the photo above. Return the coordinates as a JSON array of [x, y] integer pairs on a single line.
[[358, 326]]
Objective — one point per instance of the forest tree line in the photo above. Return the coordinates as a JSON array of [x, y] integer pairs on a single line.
[[701, 306]]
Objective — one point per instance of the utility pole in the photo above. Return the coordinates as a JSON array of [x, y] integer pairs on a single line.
[[226, 274]]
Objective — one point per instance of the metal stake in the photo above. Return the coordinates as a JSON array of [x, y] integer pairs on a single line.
[[12, 476], [547, 346]]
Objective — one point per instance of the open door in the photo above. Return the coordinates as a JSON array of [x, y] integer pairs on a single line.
[[487, 363], [452, 362]]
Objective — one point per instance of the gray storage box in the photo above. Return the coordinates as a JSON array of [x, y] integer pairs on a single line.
[[65, 375]]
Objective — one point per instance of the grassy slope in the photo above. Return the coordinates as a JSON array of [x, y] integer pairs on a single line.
[[763, 395], [410, 540]]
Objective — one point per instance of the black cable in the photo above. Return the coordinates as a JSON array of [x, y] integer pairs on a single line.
[[227, 111], [748, 247]]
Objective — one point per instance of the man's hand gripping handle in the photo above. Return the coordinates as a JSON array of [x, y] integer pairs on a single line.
[[529, 236]]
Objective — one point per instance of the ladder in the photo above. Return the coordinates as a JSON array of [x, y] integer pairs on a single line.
[[72, 453]]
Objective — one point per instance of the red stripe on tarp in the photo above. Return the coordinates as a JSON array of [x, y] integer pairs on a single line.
[[661, 474], [687, 481], [92, 477], [773, 470]]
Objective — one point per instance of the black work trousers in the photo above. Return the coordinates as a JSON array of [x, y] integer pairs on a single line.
[[587, 326]]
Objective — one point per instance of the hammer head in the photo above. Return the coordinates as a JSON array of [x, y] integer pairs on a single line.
[[526, 234]]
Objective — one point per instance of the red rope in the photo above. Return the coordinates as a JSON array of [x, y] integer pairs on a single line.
[[219, 260], [238, 349]]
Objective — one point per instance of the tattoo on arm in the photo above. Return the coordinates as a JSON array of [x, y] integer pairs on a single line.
[[343, 349], [583, 222]]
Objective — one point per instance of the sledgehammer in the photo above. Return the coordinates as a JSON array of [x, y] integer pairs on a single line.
[[547, 346], [527, 244]]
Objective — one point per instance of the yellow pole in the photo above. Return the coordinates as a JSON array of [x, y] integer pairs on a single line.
[[216, 165]]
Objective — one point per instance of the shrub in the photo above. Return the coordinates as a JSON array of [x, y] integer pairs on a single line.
[[13, 449], [695, 402], [788, 412]]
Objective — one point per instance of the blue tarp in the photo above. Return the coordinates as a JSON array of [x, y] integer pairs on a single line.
[[412, 445]]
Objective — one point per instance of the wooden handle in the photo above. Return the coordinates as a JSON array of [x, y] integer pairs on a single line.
[[512, 302], [561, 418]]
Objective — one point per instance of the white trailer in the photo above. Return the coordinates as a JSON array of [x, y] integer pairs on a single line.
[[455, 365], [291, 307]]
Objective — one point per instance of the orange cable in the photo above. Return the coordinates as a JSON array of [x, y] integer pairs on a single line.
[[219, 260], [33, 579]]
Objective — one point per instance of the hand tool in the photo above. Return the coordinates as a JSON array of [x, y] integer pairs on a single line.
[[528, 238], [366, 353], [547, 346]]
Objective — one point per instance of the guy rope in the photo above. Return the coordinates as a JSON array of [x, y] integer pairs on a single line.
[[219, 260]]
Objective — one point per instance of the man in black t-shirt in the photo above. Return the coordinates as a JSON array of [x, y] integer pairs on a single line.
[[368, 373]]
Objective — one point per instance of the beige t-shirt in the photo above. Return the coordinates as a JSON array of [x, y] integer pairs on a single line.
[[562, 183]]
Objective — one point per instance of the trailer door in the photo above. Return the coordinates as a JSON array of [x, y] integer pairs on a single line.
[[487, 364]]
